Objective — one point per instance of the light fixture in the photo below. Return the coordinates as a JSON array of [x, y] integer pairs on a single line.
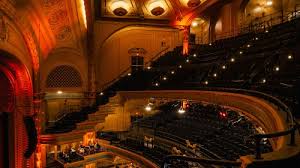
[[180, 66], [267, 31], [59, 92], [181, 110], [264, 81], [248, 45], [215, 74], [172, 72], [187, 60], [157, 8], [269, 3], [241, 52], [277, 68], [206, 82], [232, 59], [156, 84], [149, 67], [101, 93], [193, 3], [119, 7], [224, 67], [129, 74], [195, 55], [290, 56], [148, 107], [165, 78], [194, 24], [256, 38], [210, 44]]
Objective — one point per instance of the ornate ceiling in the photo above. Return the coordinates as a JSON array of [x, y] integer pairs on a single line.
[[147, 10]]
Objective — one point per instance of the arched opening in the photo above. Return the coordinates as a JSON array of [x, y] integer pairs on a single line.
[[15, 104]]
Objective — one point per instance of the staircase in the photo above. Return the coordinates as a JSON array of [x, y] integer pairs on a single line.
[[87, 118]]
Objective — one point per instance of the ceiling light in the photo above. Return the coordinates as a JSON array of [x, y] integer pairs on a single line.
[[172, 72], [210, 44], [256, 38], [120, 7], [149, 67], [224, 67], [164, 78], [241, 52], [232, 59], [101, 93], [156, 84], [129, 74], [290, 56], [157, 8], [187, 60], [277, 68], [267, 31], [248, 45], [264, 81], [206, 82], [195, 55], [215, 75], [269, 3], [59, 92], [180, 66]]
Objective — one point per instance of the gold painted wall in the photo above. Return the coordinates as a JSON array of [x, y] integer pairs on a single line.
[[112, 55]]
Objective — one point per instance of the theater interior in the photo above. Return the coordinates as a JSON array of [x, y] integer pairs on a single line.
[[149, 83]]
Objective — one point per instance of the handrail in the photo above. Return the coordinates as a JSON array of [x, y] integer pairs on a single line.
[[201, 160], [266, 21], [259, 137], [127, 70]]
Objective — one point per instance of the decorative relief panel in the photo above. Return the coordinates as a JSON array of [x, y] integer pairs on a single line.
[[58, 17]]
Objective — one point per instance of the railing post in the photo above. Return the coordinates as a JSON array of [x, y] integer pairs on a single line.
[[292, 141], [258, 152]]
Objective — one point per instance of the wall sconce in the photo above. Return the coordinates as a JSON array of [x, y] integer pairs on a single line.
[[193, 3], [157, 8], [119, 7]]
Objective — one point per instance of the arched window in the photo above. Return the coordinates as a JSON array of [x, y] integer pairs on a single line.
[[63, 76]]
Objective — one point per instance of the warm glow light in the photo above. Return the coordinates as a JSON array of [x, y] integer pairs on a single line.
[[156, 84], [148, 108], [187, 60], [264, 81], [129, 74], [194, 24], [164, 78], [172, 72], [248, 45], [241, 52], [256, 38], [206, 82], [277, 68], [181, 110], [155, 4], [290, 57], [210, 44], [149, 67], [82, 9], [59, 92], [180, 66], [215, 75], [101, 93], [258, 9], [119, 4], [269, 3], [267, 31], [195, 55], [224, 67], [232, 59]]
